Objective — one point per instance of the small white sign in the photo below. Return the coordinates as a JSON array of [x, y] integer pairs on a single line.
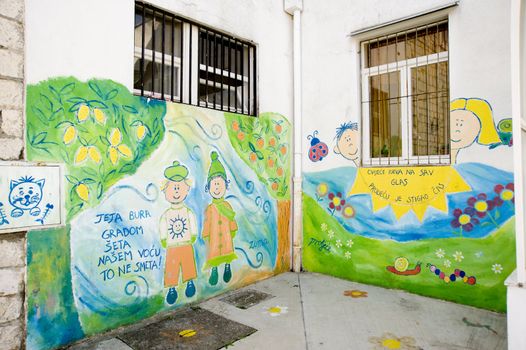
[[31, 196]]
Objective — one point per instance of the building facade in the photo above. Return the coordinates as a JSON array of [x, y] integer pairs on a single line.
[[174, 122]]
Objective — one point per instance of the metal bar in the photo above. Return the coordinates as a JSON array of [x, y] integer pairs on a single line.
[[201, 49], [242, 79], [190, 66], [215, 67], [254, 85], [235, 74], [172, 74], [181, 65], [379, 110], [248, 83], [388, 101], [416, 103], [229, 73], [153, 52], [436, 96], [209, 62], [426, 37], [163, 51], [222, 47], [142, 47]]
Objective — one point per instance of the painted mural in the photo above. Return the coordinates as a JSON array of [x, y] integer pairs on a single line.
[[440, 231], [166, 204]]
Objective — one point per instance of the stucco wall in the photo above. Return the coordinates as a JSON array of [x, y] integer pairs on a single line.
[[405, 212]]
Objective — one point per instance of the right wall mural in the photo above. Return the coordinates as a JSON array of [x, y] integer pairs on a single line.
[[440, 231]]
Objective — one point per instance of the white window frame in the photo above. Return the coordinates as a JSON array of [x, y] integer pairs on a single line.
[[404, 68]]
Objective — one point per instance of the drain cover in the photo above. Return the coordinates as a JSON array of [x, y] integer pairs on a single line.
[[189, 328], [246, 298]]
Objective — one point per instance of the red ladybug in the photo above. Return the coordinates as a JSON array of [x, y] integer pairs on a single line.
[[318, 150]]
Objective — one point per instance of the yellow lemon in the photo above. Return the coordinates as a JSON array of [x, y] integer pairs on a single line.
[[94, 154], [82, 191], [114, 155], [100, 117], [125, 151], [83, 113], [81, 155], [115, 137], [401, 264], [69, 135], [187, 333], [141, 131], [391, 343]]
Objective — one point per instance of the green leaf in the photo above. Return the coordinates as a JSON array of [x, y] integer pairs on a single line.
[[497, 215], [47, 102], [130, 109], [76, 100], [72, 179], [100, 189], [54, 115], [76, 106], [41, 116], [97, 104], [111, 94], [55, 93], [67, 89], [259, 155], [39, 138], [252, 148], [126, 168], [93, 86]]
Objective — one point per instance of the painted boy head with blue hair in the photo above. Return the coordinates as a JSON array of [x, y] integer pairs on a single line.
[[348, 142]]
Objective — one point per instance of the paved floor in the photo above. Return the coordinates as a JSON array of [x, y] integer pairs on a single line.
[[312, 311]]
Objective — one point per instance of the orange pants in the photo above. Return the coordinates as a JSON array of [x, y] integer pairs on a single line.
[[177, 259]]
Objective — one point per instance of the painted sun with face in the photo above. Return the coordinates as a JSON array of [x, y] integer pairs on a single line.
[[178, 227]]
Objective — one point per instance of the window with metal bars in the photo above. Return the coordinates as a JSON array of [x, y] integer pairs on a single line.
[[405, 97], [182, 61]]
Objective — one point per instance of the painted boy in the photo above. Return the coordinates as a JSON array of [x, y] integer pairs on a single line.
[[219, 226], [348, 142], [178, 228]]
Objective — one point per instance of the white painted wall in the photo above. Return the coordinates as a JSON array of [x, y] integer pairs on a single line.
[[94, 38], [479, 64]]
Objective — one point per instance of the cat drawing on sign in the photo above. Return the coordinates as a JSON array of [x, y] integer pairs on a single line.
[[25, 195]]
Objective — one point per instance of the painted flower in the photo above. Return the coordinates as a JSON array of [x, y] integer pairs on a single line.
[[465, 219], [481, 204], [348, 255], [447, 263], [324, 227], [504, 194], [336, 201], [458, 256], [339, 243], [440, 253], [348, 211], [276, 310], [331, 234], [497, 268], [350, 243], [391, 341], [322, 189]]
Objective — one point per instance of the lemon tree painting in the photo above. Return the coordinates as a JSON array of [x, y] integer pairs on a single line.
[[98, 129]]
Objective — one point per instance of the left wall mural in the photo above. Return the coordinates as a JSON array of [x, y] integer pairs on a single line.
[[167, 204]]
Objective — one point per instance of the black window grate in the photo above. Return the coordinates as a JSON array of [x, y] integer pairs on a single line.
[[182, 61]]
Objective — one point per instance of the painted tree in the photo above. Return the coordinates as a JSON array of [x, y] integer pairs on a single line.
[[264, 144]]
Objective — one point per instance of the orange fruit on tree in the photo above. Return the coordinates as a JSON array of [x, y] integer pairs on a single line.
[[279, 171], [283, 150], [235, 125], [270, 162], [260, 142], [241, 136], [272, 142], [274, 186], [253, 157], [278, 128]]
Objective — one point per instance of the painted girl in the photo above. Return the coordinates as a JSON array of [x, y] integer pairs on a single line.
[[220, 227], [471, 120]]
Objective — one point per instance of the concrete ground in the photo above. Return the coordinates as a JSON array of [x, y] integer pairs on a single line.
[[313, 311]]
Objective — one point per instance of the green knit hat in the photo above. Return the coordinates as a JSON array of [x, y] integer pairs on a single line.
[[177, 172], [216, 168]]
